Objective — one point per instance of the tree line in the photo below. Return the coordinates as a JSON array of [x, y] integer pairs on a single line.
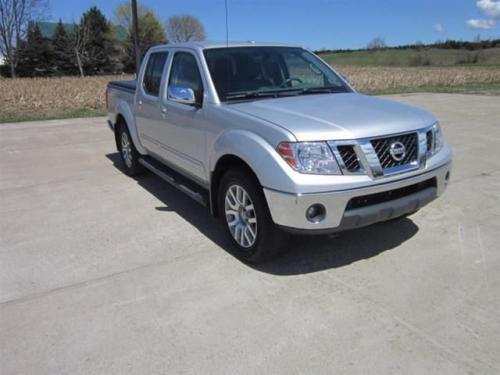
[[94, 45], [378, 43]]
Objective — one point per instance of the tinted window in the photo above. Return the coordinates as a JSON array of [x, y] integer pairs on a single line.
[[154, 70], [185, 72], [269, 69]]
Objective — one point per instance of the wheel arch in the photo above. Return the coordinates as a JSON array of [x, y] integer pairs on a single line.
[[251, 152], [125, 116], [225, 163]]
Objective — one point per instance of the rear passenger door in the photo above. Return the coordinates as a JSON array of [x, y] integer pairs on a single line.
[[148, 106]]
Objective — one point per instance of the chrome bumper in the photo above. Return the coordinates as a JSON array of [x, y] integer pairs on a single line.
[[289, 210]]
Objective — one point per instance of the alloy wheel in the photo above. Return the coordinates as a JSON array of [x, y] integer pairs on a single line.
[[240, 216]]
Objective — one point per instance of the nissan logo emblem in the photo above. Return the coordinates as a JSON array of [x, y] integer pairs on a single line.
[[397, 151]]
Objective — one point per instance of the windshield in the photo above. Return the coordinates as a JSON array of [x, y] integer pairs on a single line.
[[251, 72]]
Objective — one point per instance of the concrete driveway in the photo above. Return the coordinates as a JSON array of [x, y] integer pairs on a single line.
[[104, 274]]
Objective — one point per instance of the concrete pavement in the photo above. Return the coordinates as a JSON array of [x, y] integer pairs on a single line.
[[104, 274]]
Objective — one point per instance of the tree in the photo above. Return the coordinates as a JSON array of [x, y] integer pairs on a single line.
[[377, 43], [79, 39], [185, 29], [150, 29], [35, 55], [14, 19], [63, 51], [98, 52]]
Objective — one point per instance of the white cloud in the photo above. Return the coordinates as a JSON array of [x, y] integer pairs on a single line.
[[438, 27], [481, 24], [489, 7]]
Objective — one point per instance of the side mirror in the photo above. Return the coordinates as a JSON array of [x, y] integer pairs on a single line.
[[181, 94]]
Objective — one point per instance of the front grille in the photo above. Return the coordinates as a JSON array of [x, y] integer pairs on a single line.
[[371, 199], [382, 148], [349, 158], [430, 140]]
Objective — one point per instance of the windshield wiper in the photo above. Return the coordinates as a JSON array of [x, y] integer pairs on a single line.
[[250, 95], [322, 90], [264, 94], [283, 92]]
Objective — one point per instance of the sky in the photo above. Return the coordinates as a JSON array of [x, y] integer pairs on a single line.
[[316, 24]]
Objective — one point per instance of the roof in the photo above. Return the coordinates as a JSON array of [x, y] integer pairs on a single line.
[[48, 28], [206, 44]]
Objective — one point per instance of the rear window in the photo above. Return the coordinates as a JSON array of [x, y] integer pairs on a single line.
[[153, 73]]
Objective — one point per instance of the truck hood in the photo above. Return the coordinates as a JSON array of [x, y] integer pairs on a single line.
[[336, 116]]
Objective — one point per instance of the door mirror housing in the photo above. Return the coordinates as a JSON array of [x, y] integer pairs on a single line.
[[182, 94]]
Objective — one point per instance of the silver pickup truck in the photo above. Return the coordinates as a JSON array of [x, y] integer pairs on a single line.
[[273, 140]]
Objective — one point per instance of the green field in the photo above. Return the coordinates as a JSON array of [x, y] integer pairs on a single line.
[[415, 57]]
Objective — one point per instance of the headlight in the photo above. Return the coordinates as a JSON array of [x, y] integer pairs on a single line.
[[309, 157], [437, 138]]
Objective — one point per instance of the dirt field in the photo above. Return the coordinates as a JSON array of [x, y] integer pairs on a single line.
[[388, 79], [34, 98], [46, 98]]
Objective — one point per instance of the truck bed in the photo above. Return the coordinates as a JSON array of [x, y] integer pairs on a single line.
[[126, 85]]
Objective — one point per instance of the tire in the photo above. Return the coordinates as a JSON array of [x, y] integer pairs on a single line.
[[246, 219], [128, 153]]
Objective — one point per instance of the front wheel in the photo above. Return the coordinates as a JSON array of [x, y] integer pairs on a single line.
[[246, 218]]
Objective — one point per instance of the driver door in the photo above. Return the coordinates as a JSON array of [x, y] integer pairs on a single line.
[[184, 134]]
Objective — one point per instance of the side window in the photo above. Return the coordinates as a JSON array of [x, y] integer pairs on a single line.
[[185, 71], [152, 75]]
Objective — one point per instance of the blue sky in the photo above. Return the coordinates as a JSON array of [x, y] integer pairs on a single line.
[[321, 23]]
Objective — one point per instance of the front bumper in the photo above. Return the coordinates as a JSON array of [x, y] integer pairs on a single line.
[[289, 210]]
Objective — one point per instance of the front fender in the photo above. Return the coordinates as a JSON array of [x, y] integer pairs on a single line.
[[123, 108], [271, 170]]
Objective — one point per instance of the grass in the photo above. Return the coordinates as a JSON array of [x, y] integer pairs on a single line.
[[413, 57], [69, 97], [71, 113]]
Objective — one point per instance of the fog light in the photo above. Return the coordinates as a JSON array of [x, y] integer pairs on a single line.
[[316, 213]]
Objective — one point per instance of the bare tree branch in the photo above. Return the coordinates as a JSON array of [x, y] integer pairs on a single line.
[[80, 38], [15, 16], [184, 29]]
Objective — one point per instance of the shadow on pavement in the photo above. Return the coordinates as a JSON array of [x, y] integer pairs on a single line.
[[302, 254]]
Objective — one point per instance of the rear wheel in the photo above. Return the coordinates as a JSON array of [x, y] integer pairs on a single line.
[[246, 218], [129, 154]]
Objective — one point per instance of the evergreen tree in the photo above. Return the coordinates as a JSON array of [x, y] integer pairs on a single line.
[[35, 54], [63, 51], [100, 48]]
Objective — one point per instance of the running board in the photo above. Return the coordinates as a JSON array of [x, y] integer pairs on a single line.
[[176, 180]]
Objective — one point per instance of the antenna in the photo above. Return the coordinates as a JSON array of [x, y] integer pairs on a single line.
[[227, 27], [136, 37]]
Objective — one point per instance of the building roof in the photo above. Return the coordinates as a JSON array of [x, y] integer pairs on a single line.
[[48, 28]]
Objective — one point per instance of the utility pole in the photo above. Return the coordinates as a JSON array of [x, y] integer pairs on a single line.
[[135, 30]]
